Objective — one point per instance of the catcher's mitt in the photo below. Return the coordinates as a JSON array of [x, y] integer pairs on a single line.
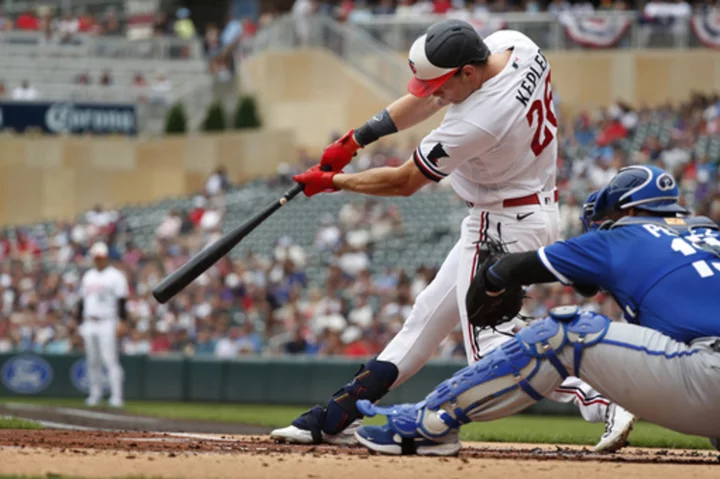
[[485, 308]]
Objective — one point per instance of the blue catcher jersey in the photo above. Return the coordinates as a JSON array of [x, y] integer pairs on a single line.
[[663, 275]]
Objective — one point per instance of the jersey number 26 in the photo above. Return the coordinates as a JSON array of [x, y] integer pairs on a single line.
[[543, 111]]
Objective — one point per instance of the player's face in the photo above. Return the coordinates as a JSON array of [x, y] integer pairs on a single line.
[[459, 86], [100, 261]]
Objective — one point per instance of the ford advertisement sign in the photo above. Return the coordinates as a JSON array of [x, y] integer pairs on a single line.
[[26, 374]]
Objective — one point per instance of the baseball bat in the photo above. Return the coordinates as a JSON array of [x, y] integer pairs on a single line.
[[201, 262]]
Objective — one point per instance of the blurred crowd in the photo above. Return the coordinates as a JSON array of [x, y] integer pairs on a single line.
[[363, 10], [269, 303]]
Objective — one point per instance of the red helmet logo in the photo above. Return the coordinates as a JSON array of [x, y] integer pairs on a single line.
[[412, 67]]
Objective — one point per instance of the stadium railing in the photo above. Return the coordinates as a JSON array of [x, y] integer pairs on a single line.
[[33, 44], [616, 29], [358, 48]]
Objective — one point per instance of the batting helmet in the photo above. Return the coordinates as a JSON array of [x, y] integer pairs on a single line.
[[446, 47], [646, 188]]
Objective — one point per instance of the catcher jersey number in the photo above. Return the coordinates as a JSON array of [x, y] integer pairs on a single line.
[[542, 110], [688, 249]]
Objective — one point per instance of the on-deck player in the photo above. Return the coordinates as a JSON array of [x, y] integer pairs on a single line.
[[662, 268], [101, 308], [497, 145]]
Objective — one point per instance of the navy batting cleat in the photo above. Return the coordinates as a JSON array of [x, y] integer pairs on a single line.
[[307, 429], [385, 440]]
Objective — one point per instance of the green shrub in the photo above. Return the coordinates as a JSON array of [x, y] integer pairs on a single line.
[[175, 120], [215, 117], [246, 114]]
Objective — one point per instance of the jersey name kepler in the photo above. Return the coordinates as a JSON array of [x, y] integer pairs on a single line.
[[532, 79]]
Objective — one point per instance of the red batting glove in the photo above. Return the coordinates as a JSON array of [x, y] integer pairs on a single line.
[[317, 181], [339, 154]]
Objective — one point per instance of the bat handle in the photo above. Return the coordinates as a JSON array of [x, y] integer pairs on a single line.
[[291, 193]]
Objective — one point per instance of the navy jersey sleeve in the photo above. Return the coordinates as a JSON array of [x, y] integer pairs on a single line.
[[586, 259]]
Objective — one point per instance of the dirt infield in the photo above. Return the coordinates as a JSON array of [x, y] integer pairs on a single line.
[[105, 443], [185, 455]]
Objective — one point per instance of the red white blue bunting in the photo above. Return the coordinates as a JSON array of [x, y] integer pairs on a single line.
[[595, 31], [707, 29]]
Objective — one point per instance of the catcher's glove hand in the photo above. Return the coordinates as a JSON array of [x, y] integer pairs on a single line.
[[486, 308]]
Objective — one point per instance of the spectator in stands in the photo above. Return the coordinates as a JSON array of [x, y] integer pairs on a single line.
[[268, 13], [360, 12], [87, 23], [169, 227], [25, 92], [405, 8], [652, 149], [139, 80], [100, 221], [27, 21], [232, 32], [106, 78], [162, 26], [6, 23], [67, 28], [199, 204], [83, 78], [184, 27], [384, 7], [211, 41], [218, 183], [161, 88], [302, 10], [111, 26], [3, 91]]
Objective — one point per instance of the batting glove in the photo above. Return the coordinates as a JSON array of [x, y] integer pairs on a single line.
[[317, 181], [339, 154]]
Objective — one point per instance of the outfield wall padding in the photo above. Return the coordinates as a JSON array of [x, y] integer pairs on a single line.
[[252, 380]]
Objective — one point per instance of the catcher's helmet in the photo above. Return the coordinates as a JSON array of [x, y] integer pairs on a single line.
[[643, 187], [437, 55], [587, 212]]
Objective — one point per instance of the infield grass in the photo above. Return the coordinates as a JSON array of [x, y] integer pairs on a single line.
[[520, 428], [16, 423]]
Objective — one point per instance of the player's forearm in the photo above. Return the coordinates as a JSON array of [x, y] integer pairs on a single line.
[[376, 181], [410, 110], [402, 114]]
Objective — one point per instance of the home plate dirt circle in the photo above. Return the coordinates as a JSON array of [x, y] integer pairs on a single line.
[[50, 453]]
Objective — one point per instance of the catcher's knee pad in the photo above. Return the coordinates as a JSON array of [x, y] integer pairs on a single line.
[[509, 367], [504, 369], [372, 382], [586, 329]]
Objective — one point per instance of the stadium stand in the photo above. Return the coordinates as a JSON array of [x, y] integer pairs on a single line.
[[331, 275]]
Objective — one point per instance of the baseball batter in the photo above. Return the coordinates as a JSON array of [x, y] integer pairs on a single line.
[[663, 364], [101, 308], [497, 145]]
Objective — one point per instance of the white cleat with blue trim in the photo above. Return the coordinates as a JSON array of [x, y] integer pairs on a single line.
[[384, 440]]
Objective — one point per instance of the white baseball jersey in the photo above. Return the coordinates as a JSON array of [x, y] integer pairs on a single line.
[[500, 142], [101, 290]]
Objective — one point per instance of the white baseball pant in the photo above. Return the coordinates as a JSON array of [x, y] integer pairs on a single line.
[[436, 312], [101, 348]]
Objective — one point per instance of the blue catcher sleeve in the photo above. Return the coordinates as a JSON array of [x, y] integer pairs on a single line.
[[586, 259]]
